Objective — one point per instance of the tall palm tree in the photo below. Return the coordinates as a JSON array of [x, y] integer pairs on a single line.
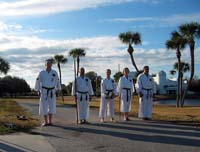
[[4, 66], [76, 54], [177, 42], [184, 67], [131, 38], [190, 31], [60, 59]]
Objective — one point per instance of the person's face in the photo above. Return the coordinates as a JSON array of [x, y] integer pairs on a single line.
[[108, 73], [48, 65], [146, 70], [126, 72], [82, 71]]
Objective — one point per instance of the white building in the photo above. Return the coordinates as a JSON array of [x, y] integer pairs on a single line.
[[164, 85]]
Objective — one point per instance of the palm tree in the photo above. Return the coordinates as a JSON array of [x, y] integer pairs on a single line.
[[184, 67], [4, 66], [60, 59], [177, 42], [131, 38], [190, 31], [77, 53]]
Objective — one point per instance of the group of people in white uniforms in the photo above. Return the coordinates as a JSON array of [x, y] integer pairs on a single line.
[[47, 83]]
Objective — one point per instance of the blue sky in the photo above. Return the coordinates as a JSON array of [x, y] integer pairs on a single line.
[[33, 30]]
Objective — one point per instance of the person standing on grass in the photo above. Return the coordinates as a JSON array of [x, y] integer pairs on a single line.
[[82, 90], [146, 90], [47, 83], [125, 90], [108, 92]]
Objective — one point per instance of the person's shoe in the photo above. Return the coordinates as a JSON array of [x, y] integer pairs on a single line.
[[127, 119], [44, 124], [50, 124], [86, 122], [102, 120], [112, 120]]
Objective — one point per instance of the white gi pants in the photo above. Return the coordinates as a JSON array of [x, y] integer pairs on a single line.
[[145, 104], [47, 104], [83, 106], [104, 105]]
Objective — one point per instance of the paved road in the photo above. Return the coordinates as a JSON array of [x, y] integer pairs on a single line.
[[136, 135]]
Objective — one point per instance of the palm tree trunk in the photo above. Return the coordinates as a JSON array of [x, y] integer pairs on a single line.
[[133, 62], [192, 44], [78, 61], [181, 87], [178, 89], [60, 81]]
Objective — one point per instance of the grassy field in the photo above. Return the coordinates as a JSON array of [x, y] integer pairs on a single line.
[[14, 118], [186, 115]]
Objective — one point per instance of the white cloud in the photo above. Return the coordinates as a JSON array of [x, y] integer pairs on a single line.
[[27, 54], [172, 20], [45, 7]]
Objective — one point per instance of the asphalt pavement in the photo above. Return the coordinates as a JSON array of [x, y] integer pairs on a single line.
[[135, 135]]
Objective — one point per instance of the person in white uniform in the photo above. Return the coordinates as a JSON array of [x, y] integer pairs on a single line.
[[82, 90], [125, 90], [108, 92], [146, 91], [47, 83]]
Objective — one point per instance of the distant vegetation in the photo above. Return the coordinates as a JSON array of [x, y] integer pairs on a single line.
[[13, 86]]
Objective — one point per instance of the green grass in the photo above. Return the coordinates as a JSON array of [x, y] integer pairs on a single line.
[[9, 122]]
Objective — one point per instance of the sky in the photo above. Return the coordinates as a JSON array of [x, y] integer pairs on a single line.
[[32, 31]]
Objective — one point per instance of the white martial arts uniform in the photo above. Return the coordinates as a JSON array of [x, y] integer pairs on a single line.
[[108, 91], [47, 83], [146, 86], [125, 89], [82, 90]]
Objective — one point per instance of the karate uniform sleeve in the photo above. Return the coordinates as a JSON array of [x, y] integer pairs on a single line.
[[73, 88], [115, 88], [139, 84], [154, 87], [38, 83], [103, 88], [58, 85], [119, 88], [90, 91]]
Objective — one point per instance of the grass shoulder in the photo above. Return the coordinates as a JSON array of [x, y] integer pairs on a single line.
[[14, 118]]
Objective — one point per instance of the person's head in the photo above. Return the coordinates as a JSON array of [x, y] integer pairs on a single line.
[[146, 69], [82, 71], [48, 63], [126, 72], [108, 73]]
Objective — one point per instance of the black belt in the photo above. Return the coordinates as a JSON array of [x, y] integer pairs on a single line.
[[127, 90], [148, 92], [48, 89], [81, 95], [108, 91]]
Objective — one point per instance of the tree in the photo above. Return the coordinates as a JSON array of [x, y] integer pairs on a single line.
[[95, 80], [190, 32], [76, 54], [4, 66], [177, 42], [131, 38], [184, 67], [60, 59], [117, 76]]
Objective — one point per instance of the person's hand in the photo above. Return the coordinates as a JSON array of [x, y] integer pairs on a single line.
[[39, 93], [90, 98], [75, 98], [140, 94]]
